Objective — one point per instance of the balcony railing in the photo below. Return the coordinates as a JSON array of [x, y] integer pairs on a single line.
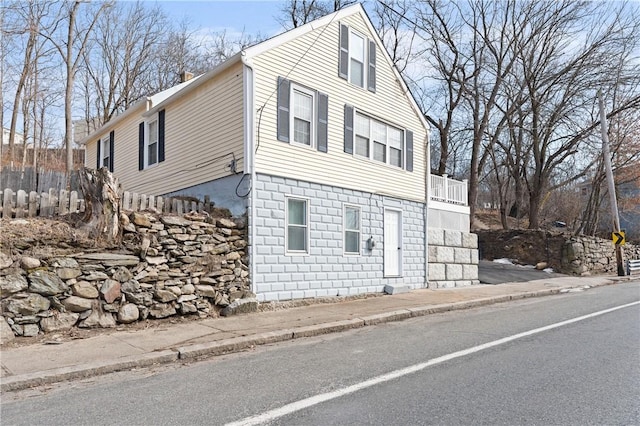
[[448, 190]]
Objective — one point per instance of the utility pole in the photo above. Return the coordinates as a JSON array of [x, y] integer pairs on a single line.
[[612, 188]]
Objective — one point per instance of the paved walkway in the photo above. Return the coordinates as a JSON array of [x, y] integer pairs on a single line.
[[113, 350]]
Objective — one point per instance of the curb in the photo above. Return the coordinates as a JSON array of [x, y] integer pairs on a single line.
[[237, 344]]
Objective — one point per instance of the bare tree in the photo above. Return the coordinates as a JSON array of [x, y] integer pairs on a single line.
[[70, 36], [295, 13]]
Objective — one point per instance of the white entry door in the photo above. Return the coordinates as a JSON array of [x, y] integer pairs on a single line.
[[392, 243]]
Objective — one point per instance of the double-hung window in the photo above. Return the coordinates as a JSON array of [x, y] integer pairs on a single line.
[[378, 141], [152, 143], [357, 59], [303, 115], [352, 232], [105, 161], [297, 214]]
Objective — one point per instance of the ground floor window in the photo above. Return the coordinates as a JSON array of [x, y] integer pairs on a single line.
[[352, 230], [297, 216]]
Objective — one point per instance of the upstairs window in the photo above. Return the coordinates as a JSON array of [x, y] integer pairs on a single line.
[[367, 137], [151, 141], [302, 115], [357, 59], [105, 150]]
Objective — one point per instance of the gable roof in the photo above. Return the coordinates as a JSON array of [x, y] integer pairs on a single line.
[[159, 100]]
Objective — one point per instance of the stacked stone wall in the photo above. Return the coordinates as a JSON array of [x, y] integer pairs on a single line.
[[565, 253], [167, 265], [453, 258]]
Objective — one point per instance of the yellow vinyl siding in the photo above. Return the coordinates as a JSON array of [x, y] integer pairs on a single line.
[[319, 70], [203, 132]]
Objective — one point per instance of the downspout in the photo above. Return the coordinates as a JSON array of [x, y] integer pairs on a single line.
[[248, 89], [427, 168]]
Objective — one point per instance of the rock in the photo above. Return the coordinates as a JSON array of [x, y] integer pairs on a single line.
[[240, 306], [5, 261], [187, 298], [225, 223], [10, 284], [6, 333], [140, 219], [68, 273], [110, 291], [128, 313], [131, 286], [188, 289], [111, 259], [234, 255], [187, 308], [206, 291], [30, 330], [162, 310], [174, 221], [96, 276], [541, 265], [220, 248], [85, 289], [27, 304], [64, 262], [143, 298], [98, 318], [174, 289], [61, 322], [46, 283], [29, 262], [156, 260], [122, 274], [77, 304], [164, 295]]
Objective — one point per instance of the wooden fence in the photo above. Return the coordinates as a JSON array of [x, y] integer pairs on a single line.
[[30, 179], [20, 204]]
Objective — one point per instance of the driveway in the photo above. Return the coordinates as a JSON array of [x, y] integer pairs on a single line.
[[497, 273]]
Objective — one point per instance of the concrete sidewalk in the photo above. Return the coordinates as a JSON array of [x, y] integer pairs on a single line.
[[38, 364]]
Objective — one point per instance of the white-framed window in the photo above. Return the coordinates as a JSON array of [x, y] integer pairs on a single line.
[[378, 141], [297, 231], [352, 229], [356, 59], [303, 115], [151, 144], [105, 152]]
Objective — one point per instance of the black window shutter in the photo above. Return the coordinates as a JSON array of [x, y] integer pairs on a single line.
[[161, 136], [283, 109], [112, 136], [343, 65], [323, 119], [371, 75], [409, 148], [348, 129], [141, 146], [99, 162]]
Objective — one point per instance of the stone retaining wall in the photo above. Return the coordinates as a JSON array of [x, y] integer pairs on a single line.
[[167, 265], [453, 258], [565, 253]]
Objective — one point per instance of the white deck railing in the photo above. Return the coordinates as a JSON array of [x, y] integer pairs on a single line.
[[448, 190]]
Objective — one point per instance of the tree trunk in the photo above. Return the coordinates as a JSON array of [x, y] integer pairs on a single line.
[[102, 204]]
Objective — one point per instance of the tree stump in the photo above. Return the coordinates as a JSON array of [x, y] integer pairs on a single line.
[[102, 204]]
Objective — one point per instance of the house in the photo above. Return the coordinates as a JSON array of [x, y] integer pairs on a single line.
[[314, 136]]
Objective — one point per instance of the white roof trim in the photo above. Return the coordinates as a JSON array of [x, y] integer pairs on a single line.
[[111, 123]]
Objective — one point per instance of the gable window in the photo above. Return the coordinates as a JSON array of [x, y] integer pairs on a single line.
[[297, 214], [105, 150], [302, 115], [151, 141], [357, 59], [351, 230]]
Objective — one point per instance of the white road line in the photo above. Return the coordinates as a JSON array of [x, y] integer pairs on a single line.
[[318, 399]]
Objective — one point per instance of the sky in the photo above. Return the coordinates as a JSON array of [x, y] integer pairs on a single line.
[[250, 16]]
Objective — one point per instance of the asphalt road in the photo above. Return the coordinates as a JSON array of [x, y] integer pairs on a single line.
[[450, 368]]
